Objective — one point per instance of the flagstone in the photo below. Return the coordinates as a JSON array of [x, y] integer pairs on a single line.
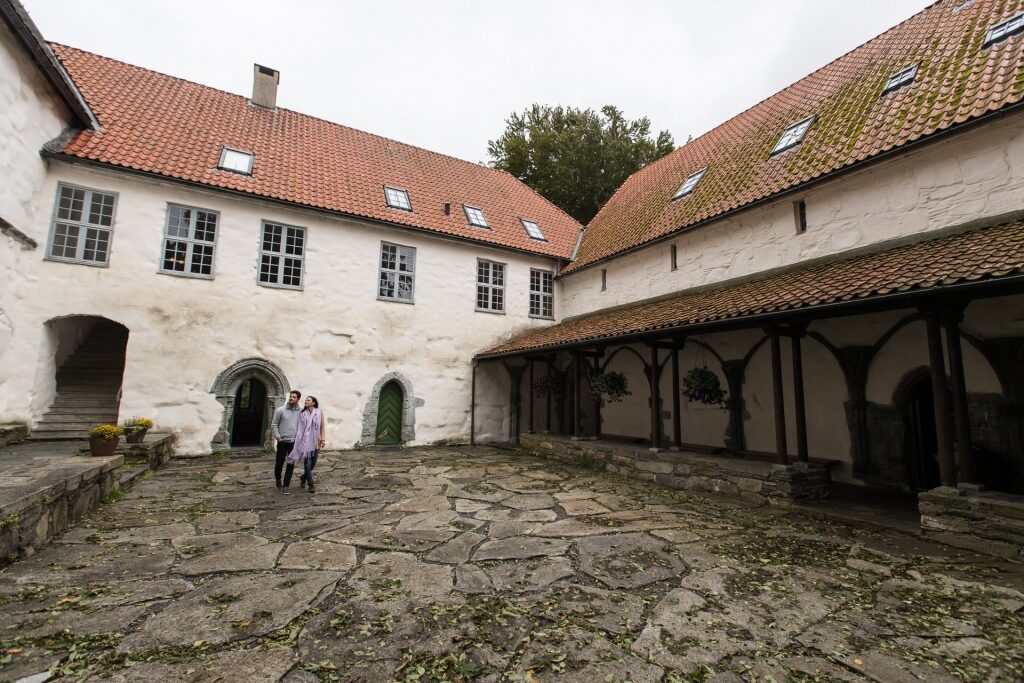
[[519, 547], [251, 666], [226, 521], [318, 555]]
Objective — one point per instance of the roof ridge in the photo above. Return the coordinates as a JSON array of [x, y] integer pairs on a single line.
[[283, 109]]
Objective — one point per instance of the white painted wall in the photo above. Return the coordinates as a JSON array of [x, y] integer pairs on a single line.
[[31, 114], [976, 174], [333, 339]]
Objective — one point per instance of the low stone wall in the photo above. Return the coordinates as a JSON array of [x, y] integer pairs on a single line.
[[983, 521], [12, 433], [61, 499], [757, 481], [156, 448]]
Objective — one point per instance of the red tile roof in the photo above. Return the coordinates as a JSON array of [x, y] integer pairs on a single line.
[[982, 254], [158, 124], [957, 82]]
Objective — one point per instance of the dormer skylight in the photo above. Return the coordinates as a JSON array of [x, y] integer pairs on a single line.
[[533, 230], [1010, 27], [475, 216], [235, 161], [793, 136], [690, 184], [397, 199], [900, 79]]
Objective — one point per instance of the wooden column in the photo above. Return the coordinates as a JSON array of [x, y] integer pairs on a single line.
[[515, 375], [529, 388], [778, 398], [575, 395], [677, 400], [655, 375], [961, 418], [547, 422], [944, 437], [472, 407], [597, 400], [798, 395]]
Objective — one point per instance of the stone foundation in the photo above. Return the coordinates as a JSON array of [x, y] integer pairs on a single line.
[[982, 521], [60, 499], [12, 433], [754, 480], [157, 449]]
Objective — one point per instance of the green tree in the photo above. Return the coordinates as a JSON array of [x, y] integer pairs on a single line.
[[576, 158]]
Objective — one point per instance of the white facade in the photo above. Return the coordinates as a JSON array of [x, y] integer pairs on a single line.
[[333, 338]]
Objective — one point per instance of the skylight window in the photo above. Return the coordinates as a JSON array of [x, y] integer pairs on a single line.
[[793, 136], [235, 161], [397, 199], [690, 184], [475, 216], [533, 230], [900, 79], [1010, 27]]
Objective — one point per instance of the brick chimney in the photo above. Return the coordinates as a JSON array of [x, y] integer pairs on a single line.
[[264, 86]]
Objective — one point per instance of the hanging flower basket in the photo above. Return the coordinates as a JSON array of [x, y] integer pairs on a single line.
[[548, 385], [609, 387], [701, 385]]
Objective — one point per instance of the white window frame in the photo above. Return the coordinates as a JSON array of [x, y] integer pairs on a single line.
[[900, 78], [225, 166], [190, 241], [535, 233], [1004, 30], [539, 296], [794, 135], [490, 285], [471, 213], [393, 197], [282, 255], [394, 274], [690, 184], [83, 226]]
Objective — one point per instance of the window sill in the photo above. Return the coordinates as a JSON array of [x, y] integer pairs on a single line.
[[542, 317], [395, 300], [77, 262], [272, 285], [190, 276], [489, 310]]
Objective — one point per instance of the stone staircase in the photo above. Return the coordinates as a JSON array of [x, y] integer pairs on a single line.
[[88, 386]]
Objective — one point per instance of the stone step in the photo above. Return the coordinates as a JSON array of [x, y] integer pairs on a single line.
[[93, 417], [63, 426], [58, 435]]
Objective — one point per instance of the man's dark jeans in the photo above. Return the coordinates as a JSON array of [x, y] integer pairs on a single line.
[[283, 449]]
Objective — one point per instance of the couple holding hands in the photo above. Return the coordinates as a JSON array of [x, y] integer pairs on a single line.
[[300, 433]]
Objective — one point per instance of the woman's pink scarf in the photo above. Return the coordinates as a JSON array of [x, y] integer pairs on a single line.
[[307, 436]]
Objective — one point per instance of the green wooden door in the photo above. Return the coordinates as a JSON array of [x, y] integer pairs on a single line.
[[389, 414]]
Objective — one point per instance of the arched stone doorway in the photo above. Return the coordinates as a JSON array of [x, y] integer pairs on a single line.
[[234, 383], [915, 402], [389, 415], [409, 403]]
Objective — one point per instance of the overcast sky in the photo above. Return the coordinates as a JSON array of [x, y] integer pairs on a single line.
[[446, 74]]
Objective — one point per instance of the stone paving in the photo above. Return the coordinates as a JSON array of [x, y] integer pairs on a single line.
[[479, 564]]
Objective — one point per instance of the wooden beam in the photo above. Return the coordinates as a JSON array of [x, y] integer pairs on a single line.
[[778, 397], [798, 396], [655, 376], [961, 418], [529, 388], [940, 399], [472, 407], [677, 408]]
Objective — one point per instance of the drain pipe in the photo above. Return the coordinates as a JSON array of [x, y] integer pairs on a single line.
[[472, 407]]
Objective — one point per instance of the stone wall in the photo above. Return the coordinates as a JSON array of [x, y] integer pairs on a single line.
[[31, 522], [984, 521], [12, 433], [754, 480]]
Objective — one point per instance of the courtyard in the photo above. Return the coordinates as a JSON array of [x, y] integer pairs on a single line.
[[482, 564]]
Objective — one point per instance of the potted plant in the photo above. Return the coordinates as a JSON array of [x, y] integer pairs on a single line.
[[609, 387], [103, 439], [135, 429], [703, 386], [548, 385]]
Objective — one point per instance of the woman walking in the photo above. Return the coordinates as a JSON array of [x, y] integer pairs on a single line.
[[309, 439]]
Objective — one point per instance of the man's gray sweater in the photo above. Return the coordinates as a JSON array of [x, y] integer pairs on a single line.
[[285, 422]]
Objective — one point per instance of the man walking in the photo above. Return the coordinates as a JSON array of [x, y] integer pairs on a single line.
[[283, 426]]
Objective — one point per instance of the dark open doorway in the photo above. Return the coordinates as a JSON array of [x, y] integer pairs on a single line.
[[250, 411], [920, 444]]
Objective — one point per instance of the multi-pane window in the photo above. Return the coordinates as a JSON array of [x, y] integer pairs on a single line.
[[189, 241], [475, 216], [235, 161], [281, 255], [900, 79], [542, 294], [490, 286], [793, 136], [397, 272], [82, 224], [690, 184], [1004, 30], [397, 199], [533, 230]]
